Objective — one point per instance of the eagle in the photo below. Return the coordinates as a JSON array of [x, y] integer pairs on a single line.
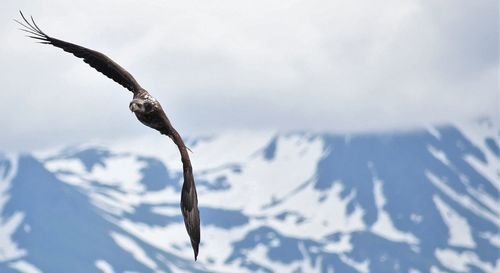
[[147, 110]]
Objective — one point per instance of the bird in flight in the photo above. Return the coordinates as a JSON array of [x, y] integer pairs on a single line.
[[147, 110]]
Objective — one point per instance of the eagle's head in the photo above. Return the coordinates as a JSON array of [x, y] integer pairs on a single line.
[[141, 106]]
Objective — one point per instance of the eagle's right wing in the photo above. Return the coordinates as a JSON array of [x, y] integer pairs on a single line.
[[97, 60], [189, 197]]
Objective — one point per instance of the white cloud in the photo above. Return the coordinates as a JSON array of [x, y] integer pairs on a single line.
[[322, 65]]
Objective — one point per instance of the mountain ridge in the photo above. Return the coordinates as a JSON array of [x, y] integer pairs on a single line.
[[415, 201]]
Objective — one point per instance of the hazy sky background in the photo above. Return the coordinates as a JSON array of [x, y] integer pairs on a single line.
[[337, 65]]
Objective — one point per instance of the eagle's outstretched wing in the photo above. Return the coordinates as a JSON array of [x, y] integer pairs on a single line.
[[97, 60], [189, 198]]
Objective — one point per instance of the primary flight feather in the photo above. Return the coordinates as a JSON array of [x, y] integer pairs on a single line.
[[147, 110]]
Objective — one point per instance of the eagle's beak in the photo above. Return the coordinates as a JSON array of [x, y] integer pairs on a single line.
[[134, 107]]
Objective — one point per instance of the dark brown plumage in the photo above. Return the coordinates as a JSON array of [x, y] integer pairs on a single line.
[[147, 110]]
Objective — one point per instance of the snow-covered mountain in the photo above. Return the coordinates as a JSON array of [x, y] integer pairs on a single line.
[[417, 201]]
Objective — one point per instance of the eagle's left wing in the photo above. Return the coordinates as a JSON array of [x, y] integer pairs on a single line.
[[97, 60]]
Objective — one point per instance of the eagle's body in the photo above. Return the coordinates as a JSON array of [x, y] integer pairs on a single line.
[[147, 110]]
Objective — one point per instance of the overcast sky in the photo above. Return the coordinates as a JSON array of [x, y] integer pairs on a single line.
[[336, 65]]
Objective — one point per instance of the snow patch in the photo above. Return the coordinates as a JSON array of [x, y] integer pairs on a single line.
[[218, 246], [460, 262], [362, 267], [66, 165], [173, 239], [416, 218], [459, 229], [167, 211], [129, 245], [264, 182], [8, 248], [463, 200], [124, 172], [493, 238], [439, 155], [343, 245], [6, 176], [384, 227], [491, 202], [477, 133], [24, 267], [433, 131], [104, 266], [210, 153], [317, 224]]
